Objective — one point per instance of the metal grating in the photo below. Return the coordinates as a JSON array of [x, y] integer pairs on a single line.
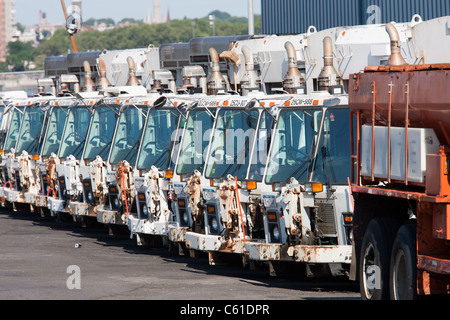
[[327, 223]]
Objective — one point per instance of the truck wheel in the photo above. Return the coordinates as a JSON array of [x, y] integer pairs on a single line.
[[374, 259], [403, 264]]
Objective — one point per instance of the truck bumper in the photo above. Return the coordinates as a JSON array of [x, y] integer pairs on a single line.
[[29, 197], [2, 196], [144, 226], [13, 196], [111, 217], [56, 205], [176, 234], [264, 251], [81, 209], [41, 201], [323, 254], [203, 242], [213, 243]]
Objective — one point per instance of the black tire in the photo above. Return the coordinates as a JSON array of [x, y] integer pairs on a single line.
[[402, 273], [374, 259]]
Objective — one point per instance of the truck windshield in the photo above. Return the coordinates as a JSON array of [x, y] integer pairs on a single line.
[[261, 149], [31, 130], [102, 132], [157, 141], [332, 164], [13, 130], [75, 132], [295, 140], [127, 138], [231, 144], [55, 129], [3, 126], [195, 141], [295, 135]]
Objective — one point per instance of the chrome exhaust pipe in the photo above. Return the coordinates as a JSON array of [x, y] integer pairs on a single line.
[[396, 58], [328, 76], [216, 81], [293, 79], [103, 82], [132, 79], [88, 82], [250, 80]]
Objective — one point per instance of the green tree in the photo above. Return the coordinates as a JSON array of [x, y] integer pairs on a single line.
[[56, 45], [19, 54], [219, 15], [20, 27], [4, 67], [142, 35]]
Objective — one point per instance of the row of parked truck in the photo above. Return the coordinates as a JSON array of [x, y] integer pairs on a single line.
[[312, 150]]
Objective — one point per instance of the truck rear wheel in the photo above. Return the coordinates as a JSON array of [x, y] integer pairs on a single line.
[[403, 264], [374, 259]]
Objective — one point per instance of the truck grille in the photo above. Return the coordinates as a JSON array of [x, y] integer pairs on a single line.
[[326, 221]]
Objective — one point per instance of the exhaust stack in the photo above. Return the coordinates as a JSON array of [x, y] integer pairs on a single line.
[[396, 58], [216, 81], [293, 81], [103, 82], [250, 81], [328, 76], [132, 79], [88, 82]]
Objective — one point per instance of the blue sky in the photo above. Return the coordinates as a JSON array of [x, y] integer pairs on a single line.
[[27, 11]]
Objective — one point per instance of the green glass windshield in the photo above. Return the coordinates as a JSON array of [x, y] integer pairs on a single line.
[[3, 127], [75, 132], [294, 137], [332, 164], [261, 149], [55, 129], [126, 142], [157, 141], [101, 132], [30, 131], [195, 141], [2, 111], [13, 129], [231, 143]]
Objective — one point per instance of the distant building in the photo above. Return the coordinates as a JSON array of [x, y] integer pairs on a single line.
[[157, 17], [7, 25], [45, 26], [76, 4]]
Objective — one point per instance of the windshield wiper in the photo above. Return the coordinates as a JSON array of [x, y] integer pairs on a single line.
[[155, 163], [104, 148], [75, 151], [133, 148]]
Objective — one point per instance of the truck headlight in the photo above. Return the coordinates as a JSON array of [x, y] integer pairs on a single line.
[[212, 219], [145, 210], [90, 196], [214, 225], [276, 233], [185, 218]]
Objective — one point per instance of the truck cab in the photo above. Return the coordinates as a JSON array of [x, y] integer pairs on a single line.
[[30, 136]]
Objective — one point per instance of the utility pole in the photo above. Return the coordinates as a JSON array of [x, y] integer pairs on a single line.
[[212, 23], [251, 23]]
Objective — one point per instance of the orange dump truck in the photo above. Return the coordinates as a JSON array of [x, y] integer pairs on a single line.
[[401, 182]]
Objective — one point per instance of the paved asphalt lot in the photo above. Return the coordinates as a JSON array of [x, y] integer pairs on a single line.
[[39, 261]]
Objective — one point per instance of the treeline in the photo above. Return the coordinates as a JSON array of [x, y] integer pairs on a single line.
[[139, 36]]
